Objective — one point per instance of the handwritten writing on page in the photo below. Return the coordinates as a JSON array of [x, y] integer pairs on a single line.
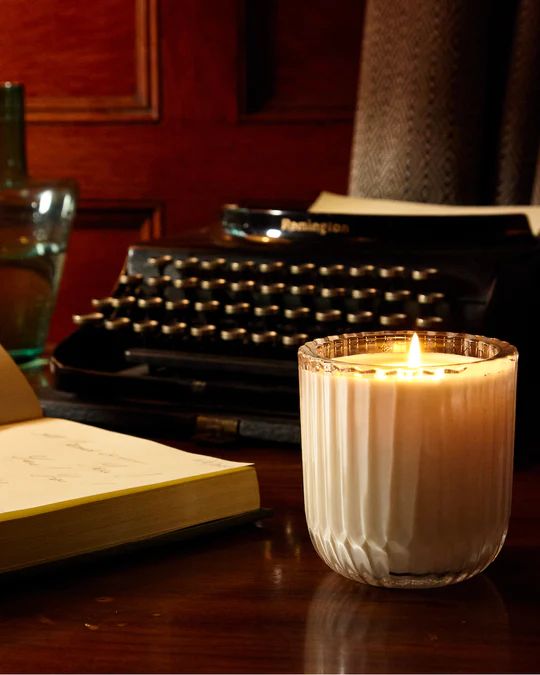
[[47, 462]]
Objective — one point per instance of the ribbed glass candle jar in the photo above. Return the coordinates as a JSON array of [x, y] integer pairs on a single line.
[[407, 468]]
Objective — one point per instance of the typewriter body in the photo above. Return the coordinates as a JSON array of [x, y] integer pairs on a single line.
[[202, 336]]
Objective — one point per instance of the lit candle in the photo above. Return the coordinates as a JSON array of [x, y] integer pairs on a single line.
[[407, 456]]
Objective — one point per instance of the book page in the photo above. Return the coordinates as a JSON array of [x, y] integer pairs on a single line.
[[50, 463], [17, 399], [329, 202]]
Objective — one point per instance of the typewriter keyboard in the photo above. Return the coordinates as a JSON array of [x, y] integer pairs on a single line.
[[232, 303]]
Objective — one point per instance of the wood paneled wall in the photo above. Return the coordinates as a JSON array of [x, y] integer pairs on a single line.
[[163, 110]]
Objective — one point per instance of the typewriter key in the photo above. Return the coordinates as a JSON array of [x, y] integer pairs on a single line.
[[297, 313], [186, 282], [397, 296], [306, 290], [214, 289], [242, 266], [268, 318], [268, 337], [238, 309], [150, 303], [398, 320], [327, 321], [175, 328], [234, 335], [128, 284], [203, 331], [181, 305], [203, 336], [395, 302], [433, 304], [395, 272], [146, 327], [120, 324], [185, 288], [361, 271], [130, 279], [242, 290], [173, 334], [430, 298], [361, 319], [338, 292], [272, 289], [92, 319], [123, 307], [152, 307], [103, 305], [157, 284], [429, 322], [364, 296], [208, 311], [178, 307], [428, 280], [120, 331], [392, 277], [126, 302], [303, 270], [272, 292], [266, 310], [424, 274], [331, 270], [294, 340], [328, 316], [211, 306], [213, 284], [187, 264], [213, 265], [273, 267], [160, 262]]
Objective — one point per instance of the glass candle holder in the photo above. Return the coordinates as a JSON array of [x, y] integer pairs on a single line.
[[407, 463]]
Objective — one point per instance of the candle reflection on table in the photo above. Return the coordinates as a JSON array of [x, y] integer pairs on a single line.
[[354, 628]]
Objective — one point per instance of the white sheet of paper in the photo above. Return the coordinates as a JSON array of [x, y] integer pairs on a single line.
[[330, 202]]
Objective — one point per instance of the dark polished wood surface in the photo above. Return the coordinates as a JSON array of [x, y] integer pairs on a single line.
[[258, 599]]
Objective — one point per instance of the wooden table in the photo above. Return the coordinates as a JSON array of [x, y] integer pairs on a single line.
[[258, 599]]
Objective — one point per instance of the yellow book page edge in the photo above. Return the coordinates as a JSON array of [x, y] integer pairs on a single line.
[[69, 503]]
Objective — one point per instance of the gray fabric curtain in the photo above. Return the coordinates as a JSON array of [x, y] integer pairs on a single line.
[[448, 104]]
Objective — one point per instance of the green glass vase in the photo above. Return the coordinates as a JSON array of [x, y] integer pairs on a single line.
[[35, 222]]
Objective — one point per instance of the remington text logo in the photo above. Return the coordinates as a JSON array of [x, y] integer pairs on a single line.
[[321, 228]]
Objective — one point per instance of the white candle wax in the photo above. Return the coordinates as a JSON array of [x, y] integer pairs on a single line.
[[408, 471]]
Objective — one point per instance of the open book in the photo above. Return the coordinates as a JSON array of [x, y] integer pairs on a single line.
[[68, 489]]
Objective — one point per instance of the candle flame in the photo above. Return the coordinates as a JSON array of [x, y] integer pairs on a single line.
[[414, 359]]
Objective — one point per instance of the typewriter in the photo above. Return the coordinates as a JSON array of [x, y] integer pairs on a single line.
[[201, 337]]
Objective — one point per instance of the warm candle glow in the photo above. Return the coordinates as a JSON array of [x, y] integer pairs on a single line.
[[415, 353], [407, 447], [413, 364]]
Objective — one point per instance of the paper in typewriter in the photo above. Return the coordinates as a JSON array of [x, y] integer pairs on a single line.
[[329, 202]]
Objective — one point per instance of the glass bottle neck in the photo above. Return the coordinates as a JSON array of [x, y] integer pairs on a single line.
[[12, 134]]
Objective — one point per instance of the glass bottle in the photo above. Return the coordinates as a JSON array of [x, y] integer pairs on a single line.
[[35, 222]]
